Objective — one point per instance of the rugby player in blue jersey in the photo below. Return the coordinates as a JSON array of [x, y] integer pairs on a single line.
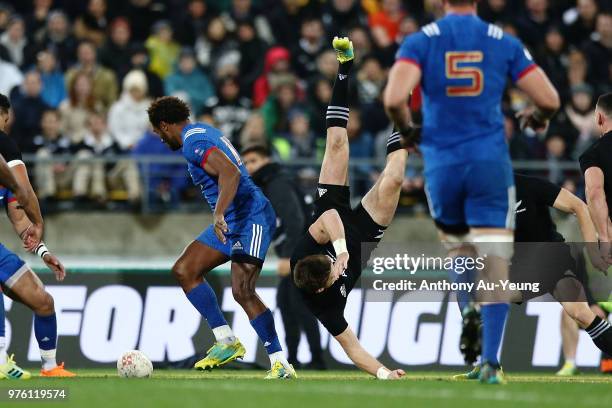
[[463, 64], [243, 225]]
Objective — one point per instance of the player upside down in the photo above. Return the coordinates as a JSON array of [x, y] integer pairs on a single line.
[[244, 223], [328, 258]]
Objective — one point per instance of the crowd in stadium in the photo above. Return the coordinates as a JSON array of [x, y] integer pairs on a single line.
[[81, 74]]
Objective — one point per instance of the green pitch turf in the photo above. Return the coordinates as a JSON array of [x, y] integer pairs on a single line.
[[246, 389]]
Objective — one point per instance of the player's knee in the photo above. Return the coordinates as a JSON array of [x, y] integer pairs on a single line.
[[182, 273], [581, 314], [44, 305], [243, 292]]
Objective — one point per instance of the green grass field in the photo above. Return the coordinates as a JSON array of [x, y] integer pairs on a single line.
[[229, 388]]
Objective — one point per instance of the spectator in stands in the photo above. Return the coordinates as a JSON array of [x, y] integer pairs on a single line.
[[370, 81], [278, 104], [100, 176], [241, 10], [142, 15], [576, 123], [189, 25], [16, 43], [28, 108], [495, 11], [340, 15], [361, 41], [301, 139], [10, 76], [140, 60], [58, 38], [127, 119], [254, 130], [116, 53], [388, 18], [92, 25], [188, 80], [327, 65], [229, 111], [105, 88], [6, 11], [580, 29], [535, 22], [250, 48], [53, 84], [284, 17], [213, 47], [312, 42], [51, 177], [319, 97], [598, 51], [553, 59], [277, 63], [556, 151], [577, 68], [164, 183], [37, 19], [80, 104], [163, 50]]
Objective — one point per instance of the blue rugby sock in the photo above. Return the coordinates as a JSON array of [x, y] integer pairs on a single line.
[[45, 330], [493, 322], [264, 327], [463, 296], [203, 298]]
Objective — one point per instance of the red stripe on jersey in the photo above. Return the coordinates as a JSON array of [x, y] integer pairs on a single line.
[[410, 61], [526, 71], [11, 200], [205, 157]]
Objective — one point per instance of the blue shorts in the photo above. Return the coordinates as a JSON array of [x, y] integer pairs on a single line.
[[249, 236], [11, 267], [480, 194]]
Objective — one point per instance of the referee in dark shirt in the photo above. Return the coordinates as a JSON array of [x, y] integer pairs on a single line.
[[279, 187], [596, 164]]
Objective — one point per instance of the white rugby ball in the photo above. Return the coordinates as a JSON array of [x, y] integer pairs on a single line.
[[134, 364]]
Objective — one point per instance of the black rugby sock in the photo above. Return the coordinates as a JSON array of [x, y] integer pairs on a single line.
[[601, 334], [338, 111], [394, 142]]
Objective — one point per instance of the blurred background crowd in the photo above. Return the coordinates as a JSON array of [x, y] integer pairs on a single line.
[[81, 73]]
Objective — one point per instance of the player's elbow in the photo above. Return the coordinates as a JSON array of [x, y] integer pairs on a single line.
[[552, 102], [392, 100]]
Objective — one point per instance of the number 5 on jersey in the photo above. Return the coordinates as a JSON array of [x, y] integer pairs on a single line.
[[456, 71]]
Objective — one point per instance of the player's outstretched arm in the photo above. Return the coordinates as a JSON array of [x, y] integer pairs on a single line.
[[365, 360], [220, 166]]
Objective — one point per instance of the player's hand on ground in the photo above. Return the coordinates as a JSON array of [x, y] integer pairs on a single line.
[[528, 120], [340, 265], [220, 227], [597, 260], [32, 236], [396, 374], [55, 265]]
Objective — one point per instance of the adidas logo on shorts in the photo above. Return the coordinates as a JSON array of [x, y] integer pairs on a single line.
[[322, 191]]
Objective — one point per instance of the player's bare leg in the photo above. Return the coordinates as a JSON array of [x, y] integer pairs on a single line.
[[190, 270], [382, 199], [244, 279], [29, 290]]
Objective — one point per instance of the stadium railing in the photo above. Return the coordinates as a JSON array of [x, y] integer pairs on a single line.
[[152, 168]]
